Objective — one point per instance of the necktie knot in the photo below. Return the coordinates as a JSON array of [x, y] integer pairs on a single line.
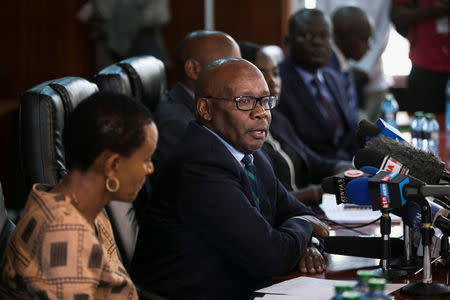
[[247, 160]]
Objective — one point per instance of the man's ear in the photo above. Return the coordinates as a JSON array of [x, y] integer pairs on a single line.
[[204, 109], [192, 68]]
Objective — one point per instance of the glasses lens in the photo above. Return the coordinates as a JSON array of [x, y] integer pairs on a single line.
[[245, 102], [271, 102]]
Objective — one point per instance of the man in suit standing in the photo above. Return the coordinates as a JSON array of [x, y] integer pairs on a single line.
[[313, 97], [351, 34], [220, 222], [177, 107]]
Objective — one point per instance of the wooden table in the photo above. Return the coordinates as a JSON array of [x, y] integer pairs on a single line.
[[343, 267]]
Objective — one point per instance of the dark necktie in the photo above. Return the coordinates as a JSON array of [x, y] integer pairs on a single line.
[[250, 170], [330, 109]]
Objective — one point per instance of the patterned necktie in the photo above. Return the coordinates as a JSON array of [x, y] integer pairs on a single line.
[[330, 109], [250, 170]]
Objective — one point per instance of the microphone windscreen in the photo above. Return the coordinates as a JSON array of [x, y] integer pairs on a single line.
[[369, 170], [357, 191], [366, 157], [422, 165], [366, 129], [328, 185]]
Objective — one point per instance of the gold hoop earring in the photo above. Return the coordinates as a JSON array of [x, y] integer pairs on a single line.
[[116, 184]]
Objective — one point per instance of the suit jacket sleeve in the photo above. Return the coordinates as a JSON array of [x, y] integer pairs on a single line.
[[217, 210]]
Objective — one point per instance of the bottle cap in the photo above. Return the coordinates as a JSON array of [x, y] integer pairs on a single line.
[[364, 275], [418, 114], [351, 295], [429, 116], [377, 284], [342, 286]]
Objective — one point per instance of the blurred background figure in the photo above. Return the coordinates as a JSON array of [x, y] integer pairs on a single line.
[[372, 83], [351, 35], [314, 97], [427, 24], [64, 244], [126, 28]]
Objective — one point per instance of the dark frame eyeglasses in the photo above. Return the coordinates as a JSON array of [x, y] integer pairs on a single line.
[[247, 103]]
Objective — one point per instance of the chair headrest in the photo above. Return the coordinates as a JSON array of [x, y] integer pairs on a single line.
[[43, 111], [141, 77]]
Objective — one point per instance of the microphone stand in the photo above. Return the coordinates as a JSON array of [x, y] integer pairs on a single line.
[[426, 288], [385, 271]]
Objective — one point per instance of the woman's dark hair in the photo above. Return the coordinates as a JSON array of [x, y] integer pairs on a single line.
[[249, 51], [104, 121]]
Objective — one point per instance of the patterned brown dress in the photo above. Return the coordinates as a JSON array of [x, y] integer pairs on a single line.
[[54, 253]]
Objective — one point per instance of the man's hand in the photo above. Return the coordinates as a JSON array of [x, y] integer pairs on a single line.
[[313, 261], [319, 227]]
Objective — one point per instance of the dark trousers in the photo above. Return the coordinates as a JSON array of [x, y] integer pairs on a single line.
[[426, 90]]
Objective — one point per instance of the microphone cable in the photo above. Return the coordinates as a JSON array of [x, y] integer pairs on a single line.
[[350, 227]]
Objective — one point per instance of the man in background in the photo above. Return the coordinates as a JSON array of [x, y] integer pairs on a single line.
[[313, 97]]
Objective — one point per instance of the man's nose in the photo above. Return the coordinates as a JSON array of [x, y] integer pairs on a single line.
[[259, 112]]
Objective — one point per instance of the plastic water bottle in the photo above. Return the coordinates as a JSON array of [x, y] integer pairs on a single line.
[[363, 276], [377, 288], [426, 134], [447, 106], [389, 110], [416, 129], [433, 142], [339, 288]]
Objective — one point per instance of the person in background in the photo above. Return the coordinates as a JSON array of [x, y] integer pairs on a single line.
[[177, 106], [351, 35], [63, 246], [372, 83], [220, 222], [299, 168], [313, 97], [126, 28], [428, 35]]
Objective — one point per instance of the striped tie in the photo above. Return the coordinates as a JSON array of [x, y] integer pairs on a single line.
[[250, 170]]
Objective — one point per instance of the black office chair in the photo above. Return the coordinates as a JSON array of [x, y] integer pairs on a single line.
[[43, 111], [141, 77], [6, 225]]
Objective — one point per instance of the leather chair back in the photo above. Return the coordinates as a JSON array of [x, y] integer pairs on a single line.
[[6, 226], [43, 111], [141, 77]]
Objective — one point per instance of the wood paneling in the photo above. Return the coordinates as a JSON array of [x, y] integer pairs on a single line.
[[42, 40], [259, 21], [187, 16]]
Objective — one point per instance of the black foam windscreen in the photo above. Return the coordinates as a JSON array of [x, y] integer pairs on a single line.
[[422, 165], [366, 129], [363, 246]]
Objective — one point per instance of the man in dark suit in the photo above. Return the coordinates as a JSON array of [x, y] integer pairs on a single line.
[[220, 222], [177, 107], [313, 97], [351, 35]]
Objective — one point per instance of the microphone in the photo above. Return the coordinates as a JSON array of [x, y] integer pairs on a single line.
[[413, 214], [337, 184], [367, 158], [367, 130], [422, 165], [390, 191]]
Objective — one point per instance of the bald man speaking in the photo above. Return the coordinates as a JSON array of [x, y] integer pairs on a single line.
[[220, 222]]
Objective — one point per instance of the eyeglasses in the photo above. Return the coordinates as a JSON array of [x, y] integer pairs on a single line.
[[249, 102], [309, 36]]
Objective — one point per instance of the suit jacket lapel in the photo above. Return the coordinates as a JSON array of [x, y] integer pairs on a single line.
[[186, 99], [340, 99]]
